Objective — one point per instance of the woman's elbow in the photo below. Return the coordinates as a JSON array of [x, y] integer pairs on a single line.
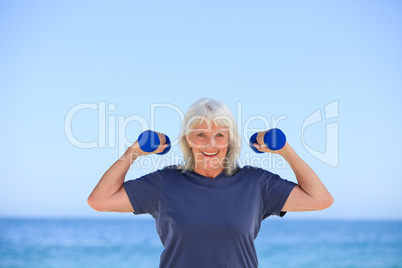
[[94, 204], [326, 202]]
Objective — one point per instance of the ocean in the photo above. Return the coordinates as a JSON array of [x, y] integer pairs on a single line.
[[120, 243]]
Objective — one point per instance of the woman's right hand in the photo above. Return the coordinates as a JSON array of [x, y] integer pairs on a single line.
[[162, 146]]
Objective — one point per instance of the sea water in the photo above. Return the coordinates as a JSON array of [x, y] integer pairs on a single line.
[[134, 243]]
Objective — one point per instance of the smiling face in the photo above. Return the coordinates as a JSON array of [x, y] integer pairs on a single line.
[[209, 144]]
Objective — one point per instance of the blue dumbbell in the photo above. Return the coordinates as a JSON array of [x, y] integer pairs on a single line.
[[149, 141], [274, 139]]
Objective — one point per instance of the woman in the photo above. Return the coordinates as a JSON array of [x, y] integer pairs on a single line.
[[208, 211]]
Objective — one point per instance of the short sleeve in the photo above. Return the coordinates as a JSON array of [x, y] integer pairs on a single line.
[[143, 193], [275, 192]]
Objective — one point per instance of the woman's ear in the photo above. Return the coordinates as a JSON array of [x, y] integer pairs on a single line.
[[188, 141]]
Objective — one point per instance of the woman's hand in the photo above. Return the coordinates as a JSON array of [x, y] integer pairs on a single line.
[[262, 147], [162, 146]]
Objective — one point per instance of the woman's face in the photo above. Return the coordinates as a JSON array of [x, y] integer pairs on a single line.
[[209, 144]]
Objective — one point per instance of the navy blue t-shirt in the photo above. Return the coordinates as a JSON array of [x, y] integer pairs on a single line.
[[205, 222]]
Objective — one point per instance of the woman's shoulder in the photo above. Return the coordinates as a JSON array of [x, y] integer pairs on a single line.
[[171, 169], [255, 171], [161, 174], [250, 169]]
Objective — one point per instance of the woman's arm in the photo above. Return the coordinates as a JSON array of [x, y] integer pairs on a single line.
[[310, 193], [109, 193]]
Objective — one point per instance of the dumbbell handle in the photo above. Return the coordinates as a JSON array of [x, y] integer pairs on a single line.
[[274, 139], [149, 141]]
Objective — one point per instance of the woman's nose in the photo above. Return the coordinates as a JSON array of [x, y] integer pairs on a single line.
[[209, 143]]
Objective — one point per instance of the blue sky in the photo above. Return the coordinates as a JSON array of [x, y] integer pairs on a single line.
[[264, 59]]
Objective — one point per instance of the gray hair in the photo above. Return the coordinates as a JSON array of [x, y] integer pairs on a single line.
[[218, 113]]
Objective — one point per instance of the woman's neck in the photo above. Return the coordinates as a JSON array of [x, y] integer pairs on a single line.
[[208, 173]]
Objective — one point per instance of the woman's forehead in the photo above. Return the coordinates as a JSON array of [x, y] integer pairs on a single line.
[[208, 127]]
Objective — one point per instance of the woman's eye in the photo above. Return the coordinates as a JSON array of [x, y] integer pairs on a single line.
[[219, 135], [200, 135]]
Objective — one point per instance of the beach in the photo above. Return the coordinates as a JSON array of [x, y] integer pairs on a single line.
[[134, 243]]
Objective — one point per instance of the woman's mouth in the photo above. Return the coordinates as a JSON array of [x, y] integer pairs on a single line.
[[209, 154]]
